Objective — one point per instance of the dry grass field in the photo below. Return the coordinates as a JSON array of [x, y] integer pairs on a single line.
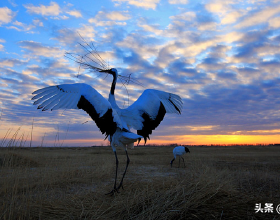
[[70, 183]]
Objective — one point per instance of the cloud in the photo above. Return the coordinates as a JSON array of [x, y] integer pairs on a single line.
[[38, 22], [216, 7], [185, 16], [242, 107], [254, 45], [146, 4], [6, 15], [116, 34], [19, 26], [227, 75], [178, 1], [52, 10], [107, 23], [115, 15], [211, 64], [165, 55], [227, 11], [61, 17], [75, 13], [2, 46], [104, 18], [39, 49], [274, 22], [191, 22], [87, 31], [71, 37], [231, 17], [144, 46], [153, 28], [52, 69], [222, 8], [66, 36], [13, 3], [10, 62], [259, 17], [181, 67], [230, 37]]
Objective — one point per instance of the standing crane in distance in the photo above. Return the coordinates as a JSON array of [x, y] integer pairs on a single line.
[[179, 151], [144, 115]]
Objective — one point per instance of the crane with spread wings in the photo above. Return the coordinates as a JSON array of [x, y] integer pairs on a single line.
[[144, 115]]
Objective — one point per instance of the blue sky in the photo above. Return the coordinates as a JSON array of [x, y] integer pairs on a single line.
[[222, 57]]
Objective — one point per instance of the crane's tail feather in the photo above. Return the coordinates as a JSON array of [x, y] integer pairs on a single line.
[[129, 137]]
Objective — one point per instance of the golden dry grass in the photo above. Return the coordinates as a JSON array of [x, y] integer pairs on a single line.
[[70, 183]]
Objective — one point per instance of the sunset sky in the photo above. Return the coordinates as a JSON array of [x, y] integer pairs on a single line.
[[222, 57]]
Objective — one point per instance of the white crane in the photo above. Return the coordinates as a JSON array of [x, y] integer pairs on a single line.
[[144, 115], [179, 151]]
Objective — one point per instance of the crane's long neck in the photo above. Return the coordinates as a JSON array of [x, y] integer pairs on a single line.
[[112, 99], [113, 86]]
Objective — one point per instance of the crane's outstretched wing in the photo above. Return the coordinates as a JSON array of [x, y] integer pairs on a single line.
[[79, 96], [146, 113]]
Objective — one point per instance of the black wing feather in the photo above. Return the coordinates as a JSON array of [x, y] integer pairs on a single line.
[[105, 123], [150, 124]]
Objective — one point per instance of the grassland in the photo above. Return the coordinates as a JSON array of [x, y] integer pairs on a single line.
[[70, 183]]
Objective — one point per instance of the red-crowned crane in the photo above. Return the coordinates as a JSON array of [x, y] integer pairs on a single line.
[[179, 151], [144, 115]]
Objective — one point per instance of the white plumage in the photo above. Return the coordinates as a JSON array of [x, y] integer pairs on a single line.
[[144, 115], [179, 151]]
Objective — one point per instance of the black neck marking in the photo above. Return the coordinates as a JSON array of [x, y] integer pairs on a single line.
[[113, 86]]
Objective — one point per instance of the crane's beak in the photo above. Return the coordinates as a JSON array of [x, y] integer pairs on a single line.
[[105, 71]]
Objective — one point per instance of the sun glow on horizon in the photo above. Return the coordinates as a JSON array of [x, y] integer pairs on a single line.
[[54, 137], [199, 140], [219, 139]]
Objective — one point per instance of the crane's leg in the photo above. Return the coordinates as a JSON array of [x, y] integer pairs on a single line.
[[127, 163], [184, 162], [116, 175], [179, 161], [171, 162]]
